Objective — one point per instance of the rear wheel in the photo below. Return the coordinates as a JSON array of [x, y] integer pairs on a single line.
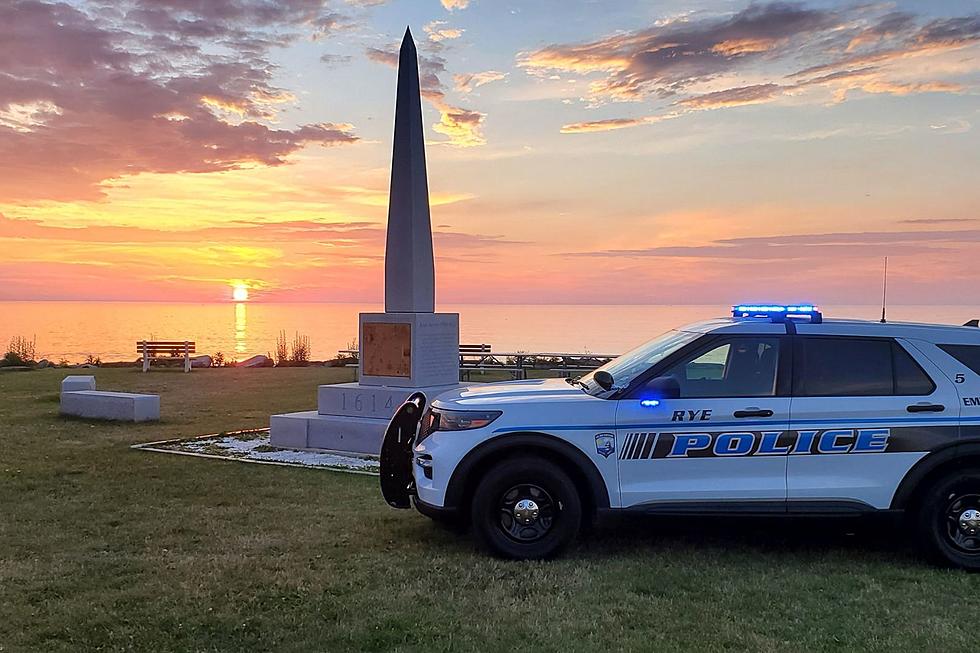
[[949, 520], [526, 508]]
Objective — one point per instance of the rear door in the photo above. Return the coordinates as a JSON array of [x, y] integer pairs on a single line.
[[720, 441], [864, 411]]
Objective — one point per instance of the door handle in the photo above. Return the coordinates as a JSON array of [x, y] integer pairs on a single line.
[[926, 408], [753, 412]]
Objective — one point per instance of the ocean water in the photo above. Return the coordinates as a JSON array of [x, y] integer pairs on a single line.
[[109, 330]]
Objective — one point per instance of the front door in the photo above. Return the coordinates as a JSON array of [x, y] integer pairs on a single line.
[[722, 441]]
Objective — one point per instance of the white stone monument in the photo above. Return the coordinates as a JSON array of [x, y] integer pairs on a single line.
[[409, 347]]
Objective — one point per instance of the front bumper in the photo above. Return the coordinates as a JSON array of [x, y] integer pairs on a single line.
[[438, 513]]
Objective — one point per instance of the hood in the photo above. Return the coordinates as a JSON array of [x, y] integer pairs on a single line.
[[494, 394]]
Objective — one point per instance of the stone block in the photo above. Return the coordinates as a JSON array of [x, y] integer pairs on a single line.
[[75, 382], [122, 406], [310, 430], [351, 434], [289, 431], [409, 350]]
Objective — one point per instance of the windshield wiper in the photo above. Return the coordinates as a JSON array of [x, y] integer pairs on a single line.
[[576, 381]]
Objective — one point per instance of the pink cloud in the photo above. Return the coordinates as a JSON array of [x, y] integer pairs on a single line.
[[86, 97]]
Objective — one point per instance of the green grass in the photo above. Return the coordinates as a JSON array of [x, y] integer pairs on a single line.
[[103, 547]]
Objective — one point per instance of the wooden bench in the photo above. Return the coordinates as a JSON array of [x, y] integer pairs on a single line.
[[150, 349]]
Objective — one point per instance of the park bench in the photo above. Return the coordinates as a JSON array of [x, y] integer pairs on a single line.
[[170, 349]]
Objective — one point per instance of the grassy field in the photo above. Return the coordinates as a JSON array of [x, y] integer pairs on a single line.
[[103, 547]]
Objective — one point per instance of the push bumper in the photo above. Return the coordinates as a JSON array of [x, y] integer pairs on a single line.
[[397, 482]]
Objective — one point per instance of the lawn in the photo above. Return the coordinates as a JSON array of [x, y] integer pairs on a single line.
[[104, 547]]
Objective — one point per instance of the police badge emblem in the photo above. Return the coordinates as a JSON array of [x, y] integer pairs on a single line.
[[605, 444]]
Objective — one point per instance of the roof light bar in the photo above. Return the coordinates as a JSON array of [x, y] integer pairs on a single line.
[[778, 312]]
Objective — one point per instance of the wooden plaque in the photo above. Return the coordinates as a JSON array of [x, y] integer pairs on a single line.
[[387, 349]]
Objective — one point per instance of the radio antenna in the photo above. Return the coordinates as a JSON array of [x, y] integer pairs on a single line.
[[884, 290]]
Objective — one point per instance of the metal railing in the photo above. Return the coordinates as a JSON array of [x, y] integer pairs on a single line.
[[481, 359]]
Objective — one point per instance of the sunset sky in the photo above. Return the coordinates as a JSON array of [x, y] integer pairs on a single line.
[[579, 151]]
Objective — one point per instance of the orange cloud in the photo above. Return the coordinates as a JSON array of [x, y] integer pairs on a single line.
[[438, 31], [466, 83], [610, 124]]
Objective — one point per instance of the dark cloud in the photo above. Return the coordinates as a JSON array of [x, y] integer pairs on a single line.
[[733, 96], [666, 59], [335, 59], [99, 91], [794, 47]]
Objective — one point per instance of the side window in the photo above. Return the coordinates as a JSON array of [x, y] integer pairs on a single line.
[[969, 355], [855, 367], [910, 379], [739, 367]]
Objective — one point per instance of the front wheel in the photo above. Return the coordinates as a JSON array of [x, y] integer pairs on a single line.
[[526, 508], [949, 520]]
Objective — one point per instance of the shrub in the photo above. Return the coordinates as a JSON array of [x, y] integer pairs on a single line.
[[282, 349], [20, 351], [300, 354], [93, 360], [11, 359], [295, 354], [218, 360]]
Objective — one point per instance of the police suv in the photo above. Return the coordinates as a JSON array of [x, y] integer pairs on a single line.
[[771, 411]]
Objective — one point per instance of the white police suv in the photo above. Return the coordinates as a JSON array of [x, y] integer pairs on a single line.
[[771, 411]]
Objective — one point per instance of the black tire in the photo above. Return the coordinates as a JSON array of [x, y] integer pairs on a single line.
[[941, 535], [544, 532]]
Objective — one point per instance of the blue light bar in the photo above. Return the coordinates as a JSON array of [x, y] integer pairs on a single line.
[[778, 312]]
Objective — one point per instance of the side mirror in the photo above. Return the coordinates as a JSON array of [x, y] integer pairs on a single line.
[[664, 387], [604, 379]]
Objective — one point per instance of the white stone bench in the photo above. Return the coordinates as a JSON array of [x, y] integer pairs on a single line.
[[77, 382], [123, 406]]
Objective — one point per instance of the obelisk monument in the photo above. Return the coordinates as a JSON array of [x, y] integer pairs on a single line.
[[409, 347], [410, 285]]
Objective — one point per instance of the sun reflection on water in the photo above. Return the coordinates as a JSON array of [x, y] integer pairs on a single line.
[[241, 327]]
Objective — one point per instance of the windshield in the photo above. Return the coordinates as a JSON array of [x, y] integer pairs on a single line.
[[636, 361]]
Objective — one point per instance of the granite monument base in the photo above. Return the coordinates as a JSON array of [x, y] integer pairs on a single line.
[[350, 417]]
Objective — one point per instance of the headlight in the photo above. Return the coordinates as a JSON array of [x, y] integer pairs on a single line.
[[456, 420]]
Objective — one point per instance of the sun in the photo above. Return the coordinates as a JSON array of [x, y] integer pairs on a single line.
[[239, 293]]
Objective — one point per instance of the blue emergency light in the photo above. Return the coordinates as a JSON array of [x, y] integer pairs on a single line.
[[778, 312]]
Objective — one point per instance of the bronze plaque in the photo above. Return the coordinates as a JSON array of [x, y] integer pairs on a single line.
[[387, 349]]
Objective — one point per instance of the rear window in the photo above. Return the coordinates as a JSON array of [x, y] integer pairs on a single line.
[[969, 355], [854, 367]]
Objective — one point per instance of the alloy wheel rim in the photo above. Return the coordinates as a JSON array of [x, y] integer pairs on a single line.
[[526, 513], [962, 521]]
